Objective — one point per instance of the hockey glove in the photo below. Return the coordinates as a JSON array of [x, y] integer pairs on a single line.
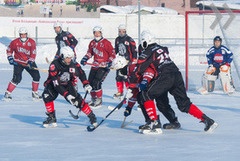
[[30, 65], [211, 69], [11, 60], [143, 85], [129, 93], [87, 88], [225, 67], [127, 111], [84, 60], [109, 64], [72, 100]]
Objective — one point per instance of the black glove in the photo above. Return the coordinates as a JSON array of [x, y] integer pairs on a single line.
[[127, 111], [30, 65], [143, 84], [11, 60], [109, 64], [84, 60]]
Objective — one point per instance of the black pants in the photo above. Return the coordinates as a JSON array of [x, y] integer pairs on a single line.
[[50, 94], [17, 73], [97, 76], [121, 74], [172, 83], [162, 105]]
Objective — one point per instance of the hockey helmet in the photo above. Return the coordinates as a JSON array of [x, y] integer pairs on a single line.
[[147, 38], [217, 38], [66, 52], [22, 30], [119, 62], [122, 27], [97, 28], [57, 24]]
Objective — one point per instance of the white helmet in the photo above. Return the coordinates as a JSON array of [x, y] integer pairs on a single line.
[[147, 38], [57, 24], [97, 28], [66, 52], [22, 30], [122, 26], [119, 62]]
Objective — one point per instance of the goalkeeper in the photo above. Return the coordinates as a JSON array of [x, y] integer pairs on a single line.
[[219, 60]]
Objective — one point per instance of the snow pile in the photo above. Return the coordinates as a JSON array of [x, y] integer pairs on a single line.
[[134, 9]]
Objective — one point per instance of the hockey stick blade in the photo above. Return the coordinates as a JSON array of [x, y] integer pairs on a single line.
[[74, 116], [90, 128]]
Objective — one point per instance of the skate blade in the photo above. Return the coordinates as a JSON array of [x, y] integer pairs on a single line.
[[52, 125], [202, 91], [111, 108], [152, 132], [37, 99], [95, 107], [212, 128], [118, 98], [7, 99]]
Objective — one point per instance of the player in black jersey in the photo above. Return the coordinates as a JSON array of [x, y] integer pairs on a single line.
[[125, 47], [64, 38], [168, 79], [60, 81]]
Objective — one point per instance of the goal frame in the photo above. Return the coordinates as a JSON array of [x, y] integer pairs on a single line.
[[187, 36]]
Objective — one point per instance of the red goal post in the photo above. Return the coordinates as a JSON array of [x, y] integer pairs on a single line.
[[187, 13]]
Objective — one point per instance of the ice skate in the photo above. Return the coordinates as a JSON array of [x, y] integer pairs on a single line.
[[118, 96], [172, 125], [97, 104], [91, 103], [92, 119], [210, 124], [51, 120], [35, 96], [153, 128], [7, 96]]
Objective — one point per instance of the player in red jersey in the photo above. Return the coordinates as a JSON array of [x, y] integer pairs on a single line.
[[22, 53], [102, 51]]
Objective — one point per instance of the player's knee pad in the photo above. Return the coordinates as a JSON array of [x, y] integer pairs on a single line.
[[17, 79], [36, 77], [96, 85], [208, 81], [226, 80], [49, 95], [139, 98], [184, 105], [119, 78]]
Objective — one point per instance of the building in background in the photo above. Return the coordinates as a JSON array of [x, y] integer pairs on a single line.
[[179, 5]]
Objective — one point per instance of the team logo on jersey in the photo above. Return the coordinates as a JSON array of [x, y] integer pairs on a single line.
[[101, 45], [98, 52], [28, 44], [218, 58], [126, 43], [122, 49], [72, 70], [52, 67], [223, 52], [23, 50], [64, 38], [65, 77]]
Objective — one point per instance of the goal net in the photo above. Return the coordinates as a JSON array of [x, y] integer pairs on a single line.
[[201, 28]]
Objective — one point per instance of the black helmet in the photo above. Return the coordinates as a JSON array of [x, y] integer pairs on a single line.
[[217, 38]]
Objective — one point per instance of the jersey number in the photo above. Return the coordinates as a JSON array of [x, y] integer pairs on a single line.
[[162, 56]]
